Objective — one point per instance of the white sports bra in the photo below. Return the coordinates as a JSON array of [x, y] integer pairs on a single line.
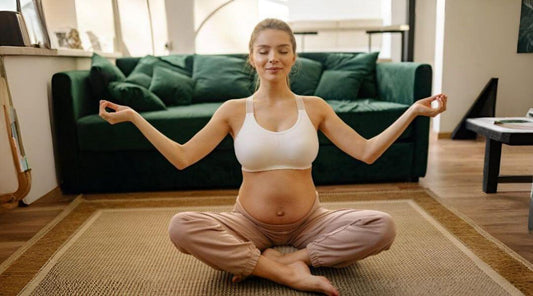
[[258, 149]]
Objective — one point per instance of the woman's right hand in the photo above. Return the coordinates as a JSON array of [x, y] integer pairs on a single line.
[[121, 114]]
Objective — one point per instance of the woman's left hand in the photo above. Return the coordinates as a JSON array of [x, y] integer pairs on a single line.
[[423, 106]]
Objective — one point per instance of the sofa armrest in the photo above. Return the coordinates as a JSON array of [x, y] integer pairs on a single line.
[[72, 92], [406, 83], [71, 99], [403, 82]]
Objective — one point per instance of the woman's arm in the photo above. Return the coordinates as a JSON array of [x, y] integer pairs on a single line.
[[181, 156], [368, 151]]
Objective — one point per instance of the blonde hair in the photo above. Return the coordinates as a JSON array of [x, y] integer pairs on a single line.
[[272, 24]]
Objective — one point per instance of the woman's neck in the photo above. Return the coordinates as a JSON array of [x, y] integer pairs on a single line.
[[273, 91]]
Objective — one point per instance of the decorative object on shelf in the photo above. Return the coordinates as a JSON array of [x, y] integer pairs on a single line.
[[67, 38], [11, 200], [73, 39], [95, 41], [14, 31], [529, 113], [59, 39], [525, 32], [36, 25]]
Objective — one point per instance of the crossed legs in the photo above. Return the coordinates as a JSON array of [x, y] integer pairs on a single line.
[[231, 242]]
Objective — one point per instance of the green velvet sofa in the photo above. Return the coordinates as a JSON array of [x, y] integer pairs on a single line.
[[94, 156]]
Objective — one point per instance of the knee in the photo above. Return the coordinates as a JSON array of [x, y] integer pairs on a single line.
[[386, 232], [179, 229]]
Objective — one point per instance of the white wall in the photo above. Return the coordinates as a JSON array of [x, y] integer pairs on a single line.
[[425, 26], [479, 42], [228, 30], [398, 17], [333, 9], [33, 109], [180, 25], [60, 14]]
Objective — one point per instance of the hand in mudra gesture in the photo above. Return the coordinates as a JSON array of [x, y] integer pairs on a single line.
[[121, 114], [423, 106]]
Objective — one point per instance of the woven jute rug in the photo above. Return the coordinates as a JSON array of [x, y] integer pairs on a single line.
[[121, 247]]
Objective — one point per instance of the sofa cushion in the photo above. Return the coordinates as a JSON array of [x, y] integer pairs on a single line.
[[172, 87], [368, 117], [101, 74], [330, 85], [179, 123], [304, 76], [143, 71], [368, 87], [361, 66], [140, 78], [94, 134], [183, 61], [135, 96], [218, 78]]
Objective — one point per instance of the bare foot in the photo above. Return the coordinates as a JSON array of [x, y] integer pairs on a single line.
[[303, 280], [274, 255], [238, 278], [286, 259]]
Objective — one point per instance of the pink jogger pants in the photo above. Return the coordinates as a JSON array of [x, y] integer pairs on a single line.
[[233, 241]]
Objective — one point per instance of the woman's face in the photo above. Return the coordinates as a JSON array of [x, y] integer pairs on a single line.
[[272, 55]]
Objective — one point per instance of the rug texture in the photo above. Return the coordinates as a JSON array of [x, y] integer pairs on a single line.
[[121, 247]]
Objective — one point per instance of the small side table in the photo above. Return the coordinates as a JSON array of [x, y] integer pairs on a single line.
[[496, 135]]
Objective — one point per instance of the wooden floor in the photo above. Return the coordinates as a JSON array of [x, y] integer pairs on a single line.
[[454, 175]]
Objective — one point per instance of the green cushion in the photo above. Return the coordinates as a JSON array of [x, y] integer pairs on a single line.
[[143, 71], [135, 96], [94, 134], [364, 67], [304, 76], [219, 78], [140, 78], [102, 73], [172, 87], [179, 123], [338, 85], [368, 117], [184, 62]]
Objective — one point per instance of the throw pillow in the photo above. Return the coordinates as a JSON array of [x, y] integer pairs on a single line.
[[140, 78], [143, 71], [338, 85], [172, 87], [304, 76], [182, 61], [361, 66], [135, 96], [101, 74], [218, 78]]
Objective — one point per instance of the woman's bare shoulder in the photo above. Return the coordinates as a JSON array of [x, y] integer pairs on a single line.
[[233, 106], [315, 102]]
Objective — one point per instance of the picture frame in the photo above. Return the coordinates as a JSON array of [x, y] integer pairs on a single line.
[[525, 31], [33, 14], [66, 38]]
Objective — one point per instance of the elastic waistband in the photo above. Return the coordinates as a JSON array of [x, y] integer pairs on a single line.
[[277, 227]]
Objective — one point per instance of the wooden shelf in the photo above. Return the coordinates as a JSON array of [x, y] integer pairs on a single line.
[[34, 51]]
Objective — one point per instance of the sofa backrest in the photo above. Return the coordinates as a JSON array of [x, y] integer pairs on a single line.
[[225, 76]]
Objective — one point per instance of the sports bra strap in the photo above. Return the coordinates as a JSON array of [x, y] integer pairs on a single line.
[[250, 105], [300, 103]]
